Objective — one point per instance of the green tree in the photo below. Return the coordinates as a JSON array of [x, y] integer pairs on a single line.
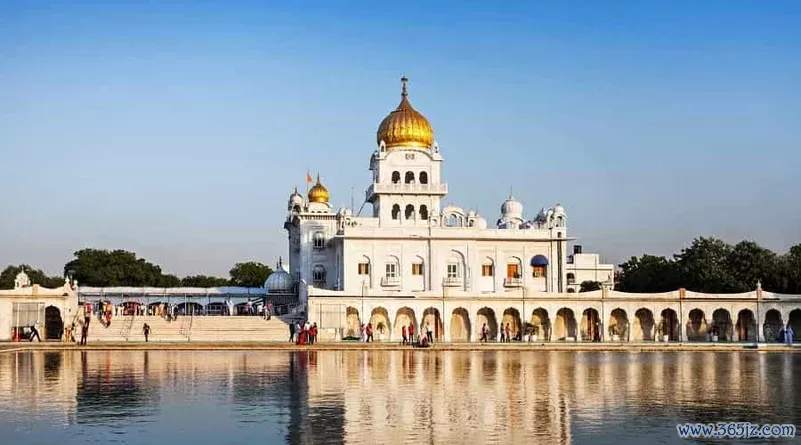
[[249, 274], [704, 266], [791, 265], [648, 273], [589, 286], [169, 280], [203, 281], [37, 276], [107, 268], [748, 263]]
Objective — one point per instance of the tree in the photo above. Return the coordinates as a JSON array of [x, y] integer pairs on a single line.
[[589, 286], [249, 274], [37, 276], [203, 281], [104, 268], [648, 274], [705, 267]]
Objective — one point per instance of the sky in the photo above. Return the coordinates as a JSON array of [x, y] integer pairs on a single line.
[[177, 130]]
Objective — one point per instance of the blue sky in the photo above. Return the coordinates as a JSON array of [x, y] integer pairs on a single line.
[[178, 129]]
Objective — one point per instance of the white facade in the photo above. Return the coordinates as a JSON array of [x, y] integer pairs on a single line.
[[412, 246]]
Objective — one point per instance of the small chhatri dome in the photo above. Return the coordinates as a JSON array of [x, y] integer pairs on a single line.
[[405, 126], [318, 193], [295, 201], [511, 207], [280, 281]]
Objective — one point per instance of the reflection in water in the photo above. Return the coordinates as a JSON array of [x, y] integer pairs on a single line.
[[368, 397]]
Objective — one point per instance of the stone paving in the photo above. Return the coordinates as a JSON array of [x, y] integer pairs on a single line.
[[340, 346]]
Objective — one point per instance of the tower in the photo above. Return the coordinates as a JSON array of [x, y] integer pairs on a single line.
[[406, 187]]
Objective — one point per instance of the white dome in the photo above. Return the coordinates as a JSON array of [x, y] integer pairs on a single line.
[[280, 281], [559, 210], [481, 223], [295, 200], [511, 207]]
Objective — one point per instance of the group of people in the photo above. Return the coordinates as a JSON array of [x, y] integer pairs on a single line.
[[786, 335], [303, 334], [419, 341]]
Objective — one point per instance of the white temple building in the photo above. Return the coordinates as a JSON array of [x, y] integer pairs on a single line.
[[413, 247]]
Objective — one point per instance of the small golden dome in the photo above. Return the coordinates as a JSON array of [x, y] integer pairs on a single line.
[[318, 192], [405, 126]]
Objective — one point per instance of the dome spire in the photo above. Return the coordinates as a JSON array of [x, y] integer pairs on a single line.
[[405, 126], [404, 90]]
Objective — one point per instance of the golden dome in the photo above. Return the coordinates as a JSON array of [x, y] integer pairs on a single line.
[[405, 126], [318, 192]]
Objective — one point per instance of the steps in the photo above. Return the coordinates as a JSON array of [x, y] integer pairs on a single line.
[[195, 329]]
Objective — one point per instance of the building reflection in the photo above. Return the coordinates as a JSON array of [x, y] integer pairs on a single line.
[[408, 396]]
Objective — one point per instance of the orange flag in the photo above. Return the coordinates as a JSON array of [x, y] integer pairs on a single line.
[[308, 178]]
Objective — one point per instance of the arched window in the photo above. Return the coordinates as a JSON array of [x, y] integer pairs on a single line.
[[396, 211], [487, 269], [395, 177], [453, 220], [409, 213], [571, 278], [423, 178], [423, 212], [319, 240], [409, 179], [318, 274]]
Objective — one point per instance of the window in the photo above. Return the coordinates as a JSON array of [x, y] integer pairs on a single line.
[[423, 178], [318, 274], [410, 156], [364, 268], [396, 211], [395, 177], [571, 278], [512, 271], [423, 212], [319, 240], [486, 270], [417, 269], [571, 291], [409, 179], [409, 213], [538, 272], [391, 270], [453, 271]]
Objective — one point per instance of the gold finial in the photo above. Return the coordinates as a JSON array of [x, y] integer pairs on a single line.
[[404, 81], [318, 177]]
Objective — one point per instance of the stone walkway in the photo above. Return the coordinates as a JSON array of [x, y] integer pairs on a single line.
[[345, 346]]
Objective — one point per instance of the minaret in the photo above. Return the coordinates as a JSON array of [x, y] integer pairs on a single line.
[[407, 186]]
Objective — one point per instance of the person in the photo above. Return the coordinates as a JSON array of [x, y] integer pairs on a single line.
[[788, 335], [85, 329], [503, 334], [369, 332], [403, 333], [35, 333], [429, 334], [313, 333], [268, 311], [484, 333], [291, 332], [411, 333], [146, 331]]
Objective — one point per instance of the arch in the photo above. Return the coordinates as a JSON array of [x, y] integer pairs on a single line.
[[619, 325], [643, 329], [590, 325], [541, 324], [460, 325], [54, 324], [423, 212], [392, 269], [318, 274], [379, 318], [408, 178], [396, 211], [318, 240], [772, 326], [405, 317], [794, 321], [486, 316], [455, 267], [352, 323], [432, 318], [409, 212], [696, 325], [453, 220], [571, 291], [423, 178], [511, 318], [565, 326], [669, 325], [722, 325], [746, 327], [571, 278], [396, 177]]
